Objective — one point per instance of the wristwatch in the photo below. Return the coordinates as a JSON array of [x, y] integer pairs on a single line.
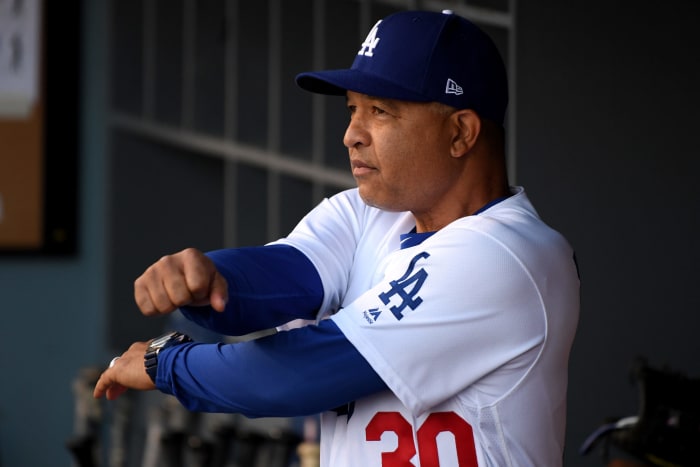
[[150, 358]]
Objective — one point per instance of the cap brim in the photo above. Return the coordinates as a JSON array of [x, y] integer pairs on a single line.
[[337, 82]]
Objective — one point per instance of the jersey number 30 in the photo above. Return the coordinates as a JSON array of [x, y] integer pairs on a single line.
[[426, 437]]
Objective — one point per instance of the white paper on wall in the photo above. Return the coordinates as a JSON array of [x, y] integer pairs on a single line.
[[19, 57]]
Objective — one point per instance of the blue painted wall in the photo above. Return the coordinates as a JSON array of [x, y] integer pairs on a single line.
[[52, 309]]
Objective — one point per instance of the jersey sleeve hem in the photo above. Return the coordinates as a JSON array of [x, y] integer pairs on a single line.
[[386, 372]]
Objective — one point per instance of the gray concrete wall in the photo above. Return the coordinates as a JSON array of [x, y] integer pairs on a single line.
[[608, 109]]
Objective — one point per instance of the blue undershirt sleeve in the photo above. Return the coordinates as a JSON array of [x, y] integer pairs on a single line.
[[268, 286], [291, 373]]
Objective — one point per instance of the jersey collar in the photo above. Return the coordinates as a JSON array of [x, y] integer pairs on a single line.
[[414, 238]]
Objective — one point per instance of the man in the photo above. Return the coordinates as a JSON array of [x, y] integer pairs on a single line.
[[445, 308]]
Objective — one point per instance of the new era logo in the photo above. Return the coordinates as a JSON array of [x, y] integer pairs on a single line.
[[453, 88]]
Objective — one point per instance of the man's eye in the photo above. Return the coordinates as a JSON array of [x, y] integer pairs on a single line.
[[351, 109], [378, 111]]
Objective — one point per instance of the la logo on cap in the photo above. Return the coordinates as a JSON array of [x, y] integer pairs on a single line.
[[370, 42]]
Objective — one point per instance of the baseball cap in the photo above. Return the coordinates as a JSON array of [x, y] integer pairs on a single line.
[[423, 56]]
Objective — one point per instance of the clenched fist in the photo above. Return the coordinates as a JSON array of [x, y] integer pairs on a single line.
[[185, 278]]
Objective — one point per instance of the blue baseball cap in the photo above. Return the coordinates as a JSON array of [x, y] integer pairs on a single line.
[[423, 56]]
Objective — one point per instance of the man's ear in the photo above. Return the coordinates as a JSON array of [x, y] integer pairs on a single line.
[[467, 126]]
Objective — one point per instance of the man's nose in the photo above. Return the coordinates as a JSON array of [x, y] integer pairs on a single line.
[[356, 133]]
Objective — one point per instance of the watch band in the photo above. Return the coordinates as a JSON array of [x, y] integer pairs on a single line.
[[150, 358]]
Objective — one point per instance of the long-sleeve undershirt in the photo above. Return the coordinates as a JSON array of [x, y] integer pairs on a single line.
[[291, 373], [267, 286]]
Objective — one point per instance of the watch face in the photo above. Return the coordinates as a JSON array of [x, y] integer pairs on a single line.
[[158, 342], [168, 339]]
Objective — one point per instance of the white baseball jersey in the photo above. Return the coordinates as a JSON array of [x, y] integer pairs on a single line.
[[470, 329]]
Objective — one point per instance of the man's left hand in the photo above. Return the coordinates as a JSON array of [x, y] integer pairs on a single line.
[[127, 372]]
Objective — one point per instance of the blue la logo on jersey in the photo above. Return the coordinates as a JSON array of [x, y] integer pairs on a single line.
[[406, 288]]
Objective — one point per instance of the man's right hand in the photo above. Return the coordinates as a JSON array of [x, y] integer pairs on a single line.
[[185, 278]]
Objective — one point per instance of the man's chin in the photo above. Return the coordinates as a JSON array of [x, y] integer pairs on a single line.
[[368, 198], [372, 201]]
